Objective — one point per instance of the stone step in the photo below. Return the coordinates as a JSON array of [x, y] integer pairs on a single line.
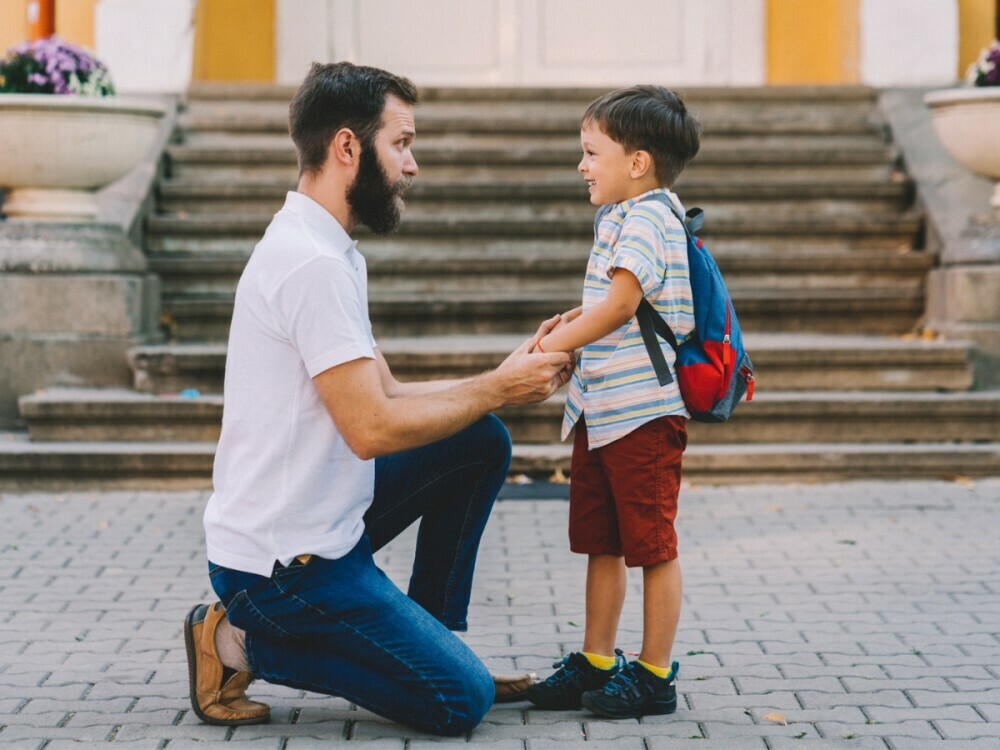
[[238, 172], [572, 221], [528, 117], [200, 198], [788, 417], [385, 250], [541, 267], [873, 310], [810, 97], [784, 362], [797, 462], [62, 466], [563, 151], [495, 185], [538, 118]]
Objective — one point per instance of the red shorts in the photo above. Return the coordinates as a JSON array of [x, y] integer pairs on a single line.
[[623, 495]]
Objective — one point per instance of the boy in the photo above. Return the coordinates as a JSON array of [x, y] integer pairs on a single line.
[[627, 450]]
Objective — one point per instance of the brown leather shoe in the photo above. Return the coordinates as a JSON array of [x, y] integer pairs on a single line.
[[218, 694], [510, 688]]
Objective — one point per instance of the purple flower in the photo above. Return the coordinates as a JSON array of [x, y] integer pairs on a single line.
[[52, 66]]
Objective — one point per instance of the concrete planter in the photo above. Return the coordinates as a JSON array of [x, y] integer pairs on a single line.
[[967, 121], [59, 150]]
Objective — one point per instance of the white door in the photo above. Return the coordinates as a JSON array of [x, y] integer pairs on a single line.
[[530, 42]]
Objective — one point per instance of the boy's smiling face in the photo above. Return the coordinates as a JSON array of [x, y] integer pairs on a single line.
[[608, 170]]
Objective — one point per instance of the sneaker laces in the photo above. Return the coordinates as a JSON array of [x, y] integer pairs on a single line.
[[568, 668], [624, 683], [566, 671]]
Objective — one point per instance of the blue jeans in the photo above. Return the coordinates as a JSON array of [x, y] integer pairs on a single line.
[[341, 627]]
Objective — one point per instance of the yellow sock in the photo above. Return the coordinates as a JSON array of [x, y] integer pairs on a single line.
[[601, 662], [663, 672]]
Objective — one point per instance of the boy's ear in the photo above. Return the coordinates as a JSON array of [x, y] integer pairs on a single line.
[[642, 163]]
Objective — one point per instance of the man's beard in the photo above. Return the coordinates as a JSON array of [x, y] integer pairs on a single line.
[[373, 200]]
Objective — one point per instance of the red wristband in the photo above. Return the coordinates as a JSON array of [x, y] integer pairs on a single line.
[[538, 346]]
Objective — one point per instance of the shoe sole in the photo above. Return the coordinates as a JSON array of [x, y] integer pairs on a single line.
[[193, 681], [656, 709]]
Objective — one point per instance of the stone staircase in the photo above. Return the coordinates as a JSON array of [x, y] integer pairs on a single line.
[[809, 214]]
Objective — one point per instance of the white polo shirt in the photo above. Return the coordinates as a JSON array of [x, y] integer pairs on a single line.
[[286, 483]]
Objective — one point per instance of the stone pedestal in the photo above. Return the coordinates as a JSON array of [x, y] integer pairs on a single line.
[[73, 299], [963, 292]]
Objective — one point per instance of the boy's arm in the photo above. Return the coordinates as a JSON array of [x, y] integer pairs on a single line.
[[617, 309]]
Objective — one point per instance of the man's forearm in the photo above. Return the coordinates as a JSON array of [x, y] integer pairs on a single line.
[[423, 387], [426, 412]]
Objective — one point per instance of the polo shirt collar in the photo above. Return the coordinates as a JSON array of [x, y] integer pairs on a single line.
[[321, 220], [625, 205]]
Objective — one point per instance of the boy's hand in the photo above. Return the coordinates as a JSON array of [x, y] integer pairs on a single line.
[[546, 327]]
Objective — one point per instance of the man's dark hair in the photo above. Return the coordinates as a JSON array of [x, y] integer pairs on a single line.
[[649, 118], [340, 95]]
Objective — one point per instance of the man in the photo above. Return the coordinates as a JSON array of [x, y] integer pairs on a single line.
[[324, 456]]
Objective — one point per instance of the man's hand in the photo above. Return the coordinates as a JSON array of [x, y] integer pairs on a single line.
[[526, 378]]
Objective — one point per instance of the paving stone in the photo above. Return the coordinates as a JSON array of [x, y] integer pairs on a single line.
[[967, 730], [914, 728], [910, 743], [782, 613]]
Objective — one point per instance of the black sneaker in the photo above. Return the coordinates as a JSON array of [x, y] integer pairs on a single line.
[[575, 676], [634, 692]]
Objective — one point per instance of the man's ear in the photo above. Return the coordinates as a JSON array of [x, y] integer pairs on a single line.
[[642, 163], [345, 147]]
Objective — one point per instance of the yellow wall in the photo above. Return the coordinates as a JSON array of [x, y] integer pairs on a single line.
[[234, 40], [13, 23], [809, 41], [976, 27], [812, 41], [74, 22]]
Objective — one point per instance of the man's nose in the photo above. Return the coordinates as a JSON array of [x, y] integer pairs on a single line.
[[410, 166]]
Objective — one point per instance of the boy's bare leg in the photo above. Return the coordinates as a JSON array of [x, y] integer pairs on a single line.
[[661, 611], [605, 598]]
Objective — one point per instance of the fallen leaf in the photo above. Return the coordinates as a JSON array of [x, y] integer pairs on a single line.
[[777, 718], [558, 477], [958, 479], [520, 479]]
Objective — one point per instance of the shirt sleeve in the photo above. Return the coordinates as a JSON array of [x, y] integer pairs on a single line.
[[640, 248], [319, 307]]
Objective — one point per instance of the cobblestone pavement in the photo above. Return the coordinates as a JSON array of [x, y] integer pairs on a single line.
[[860, 615]]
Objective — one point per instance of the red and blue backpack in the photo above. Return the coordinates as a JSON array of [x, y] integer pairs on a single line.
[[714, 371]]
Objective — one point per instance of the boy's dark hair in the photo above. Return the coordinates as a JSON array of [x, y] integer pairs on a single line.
[[340, 95], [649, 118]]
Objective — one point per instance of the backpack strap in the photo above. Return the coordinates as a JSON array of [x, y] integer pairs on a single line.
[[651, 323]]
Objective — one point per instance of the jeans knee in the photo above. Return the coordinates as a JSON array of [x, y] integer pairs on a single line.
[[495, 440], [465, 712]]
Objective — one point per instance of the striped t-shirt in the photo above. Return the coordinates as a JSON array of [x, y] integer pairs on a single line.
[[614, 385]]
